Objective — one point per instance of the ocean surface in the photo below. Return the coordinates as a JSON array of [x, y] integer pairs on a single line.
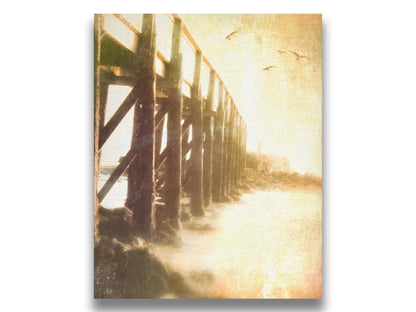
[[267, 245]]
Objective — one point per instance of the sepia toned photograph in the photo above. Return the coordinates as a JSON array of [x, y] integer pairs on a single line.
[[208, 156]]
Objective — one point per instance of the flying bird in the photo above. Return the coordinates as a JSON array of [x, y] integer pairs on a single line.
[[281, 52], [299, 56], [268, 68], [230, 35]]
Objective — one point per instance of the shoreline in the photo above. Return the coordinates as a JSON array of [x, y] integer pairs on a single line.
[[127, 267]]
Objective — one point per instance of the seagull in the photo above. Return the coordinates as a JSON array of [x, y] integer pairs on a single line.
[[268, 68], [281, 52], [230, 35], [299, 56]]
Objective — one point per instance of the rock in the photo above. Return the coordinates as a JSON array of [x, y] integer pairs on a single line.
[[185, 216], [116, 223], [203, 277], [198, 227]]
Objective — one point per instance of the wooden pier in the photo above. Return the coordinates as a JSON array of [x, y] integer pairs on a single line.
[[157, 179]]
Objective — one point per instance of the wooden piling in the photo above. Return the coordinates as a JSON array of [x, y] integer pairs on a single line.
[[185, 150], [232, 148], [226, 152], [208, 129], [212, 173], [140, 197], [243, 166], [218, 143], [230, 157], [97, 35], [197, 141], [237, 152], [158, 140], [241, 149], [174, 130]]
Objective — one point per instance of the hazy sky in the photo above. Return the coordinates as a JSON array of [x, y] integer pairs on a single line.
[[282, 107]]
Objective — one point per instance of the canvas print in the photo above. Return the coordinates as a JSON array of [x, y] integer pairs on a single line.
[[208, 156]]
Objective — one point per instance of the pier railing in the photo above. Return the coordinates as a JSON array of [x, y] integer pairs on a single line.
[[204, 155]]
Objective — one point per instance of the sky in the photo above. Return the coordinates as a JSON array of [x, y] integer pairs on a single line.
[[282, 107]]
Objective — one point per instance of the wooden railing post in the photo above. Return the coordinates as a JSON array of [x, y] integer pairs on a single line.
[[140, 197], [197, 141], [208, 140], [174, 130], [217, 161]]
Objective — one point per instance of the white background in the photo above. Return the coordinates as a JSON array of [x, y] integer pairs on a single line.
[[369, 56]]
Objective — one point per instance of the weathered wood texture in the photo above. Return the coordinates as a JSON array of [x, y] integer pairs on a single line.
[[185, 149], [228, 146], [218, 143], [208, 129], [225, 151], [174, 133], [97, 35], [197, 141], [232, 148], [140, 196], [244, 147], [238, 151], [240, 148], [158, 140], [235, 152]]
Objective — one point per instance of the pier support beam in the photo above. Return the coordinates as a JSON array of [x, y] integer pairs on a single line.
[[229, 147], [245, 147], [140, 196], [185, 139], [241, 152], [197, 141], [218, 138], [217, 161], [97, 108], [237, 151], [174, 130], [208, 140], [225, 151], [232, 147], [158, 140]]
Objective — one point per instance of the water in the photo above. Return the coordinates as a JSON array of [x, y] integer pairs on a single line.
[[118, 193], [267, 245]]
